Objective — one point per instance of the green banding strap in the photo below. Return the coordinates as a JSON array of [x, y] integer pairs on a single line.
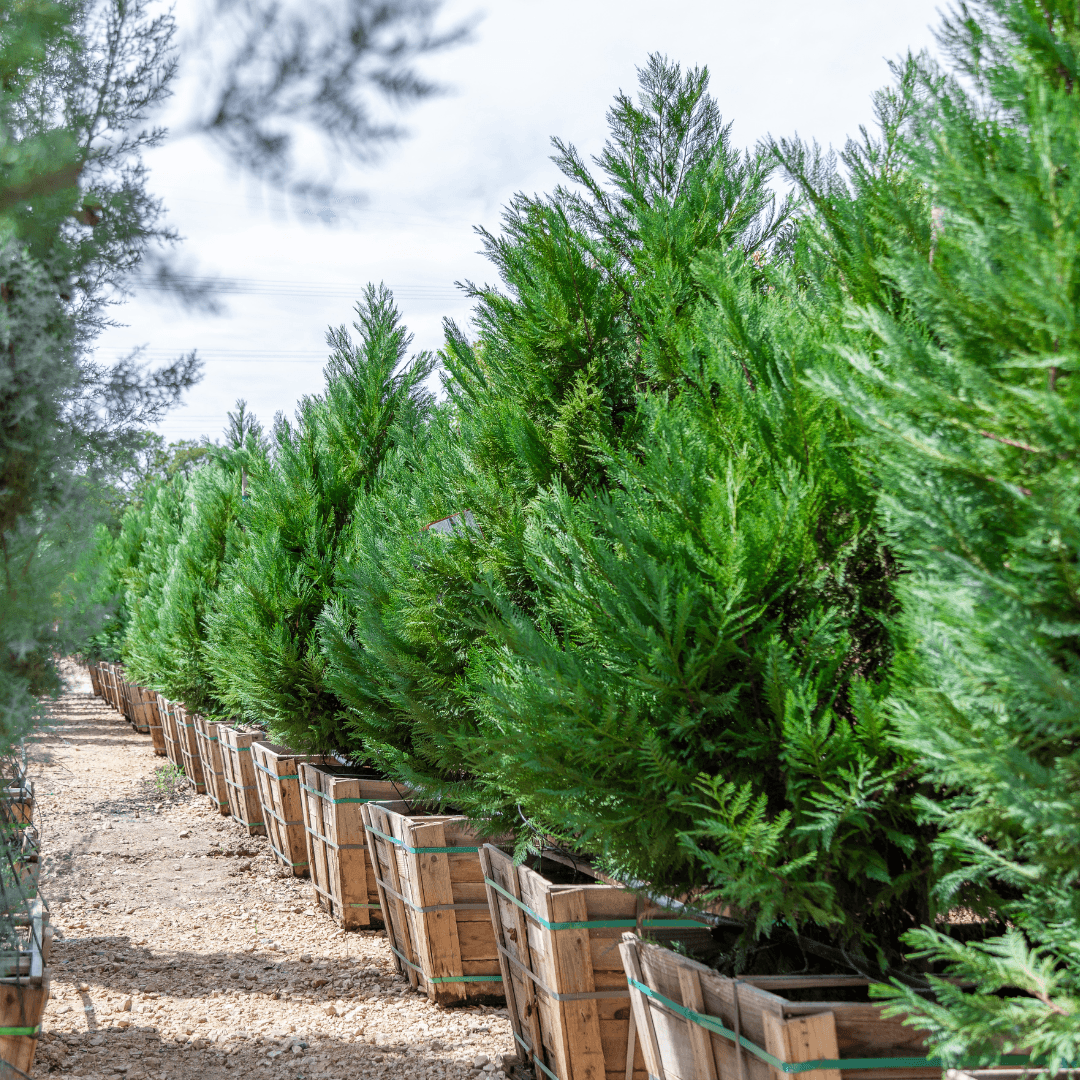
[[14, 1032], [330, 896], [331, 844], [15, 824], [446, 978], [598, 924], [590, 995], [711, 1023], [424, 850], [536, 1061], [430, 907], [323, 795], [288, 776], [282, 857]]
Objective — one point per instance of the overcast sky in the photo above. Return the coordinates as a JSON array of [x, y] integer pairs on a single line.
[[532, 70]]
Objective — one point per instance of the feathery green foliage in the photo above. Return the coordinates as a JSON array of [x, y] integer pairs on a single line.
[[669, 578], [969, 400], [261, 645]]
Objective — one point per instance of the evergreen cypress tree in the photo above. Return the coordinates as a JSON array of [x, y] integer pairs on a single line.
[[556, 369], [662, 623], [261, 648], [969, 399]]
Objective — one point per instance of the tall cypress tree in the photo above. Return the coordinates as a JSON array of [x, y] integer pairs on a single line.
[[659, 618], [968, 398], [261, 644]]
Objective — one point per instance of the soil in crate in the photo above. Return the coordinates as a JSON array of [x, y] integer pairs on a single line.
[[433, 898]]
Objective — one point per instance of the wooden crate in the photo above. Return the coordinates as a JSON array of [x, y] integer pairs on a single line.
[[206, 731], [125, 701], [108, 683], [558, 936], [679, 1047], [136, 708], [239, 772], [169, 732], [332, 798], [189, 747], [24, 987], [95, 679], [152, 706], [431, 888], [278, 780]]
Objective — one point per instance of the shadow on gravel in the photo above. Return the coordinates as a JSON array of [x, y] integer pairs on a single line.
[[203, 1048]]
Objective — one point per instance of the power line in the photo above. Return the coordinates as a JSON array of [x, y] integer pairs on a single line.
[[276, 287]]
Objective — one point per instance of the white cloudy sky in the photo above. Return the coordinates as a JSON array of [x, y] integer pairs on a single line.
[[532, 70]]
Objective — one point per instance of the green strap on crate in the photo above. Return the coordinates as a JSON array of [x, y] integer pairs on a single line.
[[15, 1032], [430, 907], [287, 776], [711, 1023], [323, 795], [536, 1061], [423, 850], [330, 843], [446, 978], [598, 924]]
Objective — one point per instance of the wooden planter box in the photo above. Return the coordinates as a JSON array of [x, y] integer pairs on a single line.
[[332, 799], [676, 1045], [152, 706], [24, 988], [126, 706], [189, 747], [95, 679], [239, 770], [137, 697], [431, 888], [278, 780], [206, 731], [558, 943], [169, 732], [108, 684]]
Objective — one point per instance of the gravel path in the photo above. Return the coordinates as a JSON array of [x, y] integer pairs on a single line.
[[183, 952]]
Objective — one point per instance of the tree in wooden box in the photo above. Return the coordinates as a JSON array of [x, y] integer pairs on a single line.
[[332, 797], [693, 1023], [278, 780], [434, 903], [558, 943], [239, 770], [206, 731]]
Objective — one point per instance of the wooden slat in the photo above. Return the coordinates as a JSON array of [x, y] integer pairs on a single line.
[[394, 910], [805, 1038], [642, 1010], [573, 959], [438, 944], [697, 1036]]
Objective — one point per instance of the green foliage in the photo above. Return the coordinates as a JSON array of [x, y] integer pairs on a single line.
[[261, 646], [968, 399], [673, 581]]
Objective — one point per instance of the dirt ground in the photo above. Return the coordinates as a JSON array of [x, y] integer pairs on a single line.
[[183, 952]]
